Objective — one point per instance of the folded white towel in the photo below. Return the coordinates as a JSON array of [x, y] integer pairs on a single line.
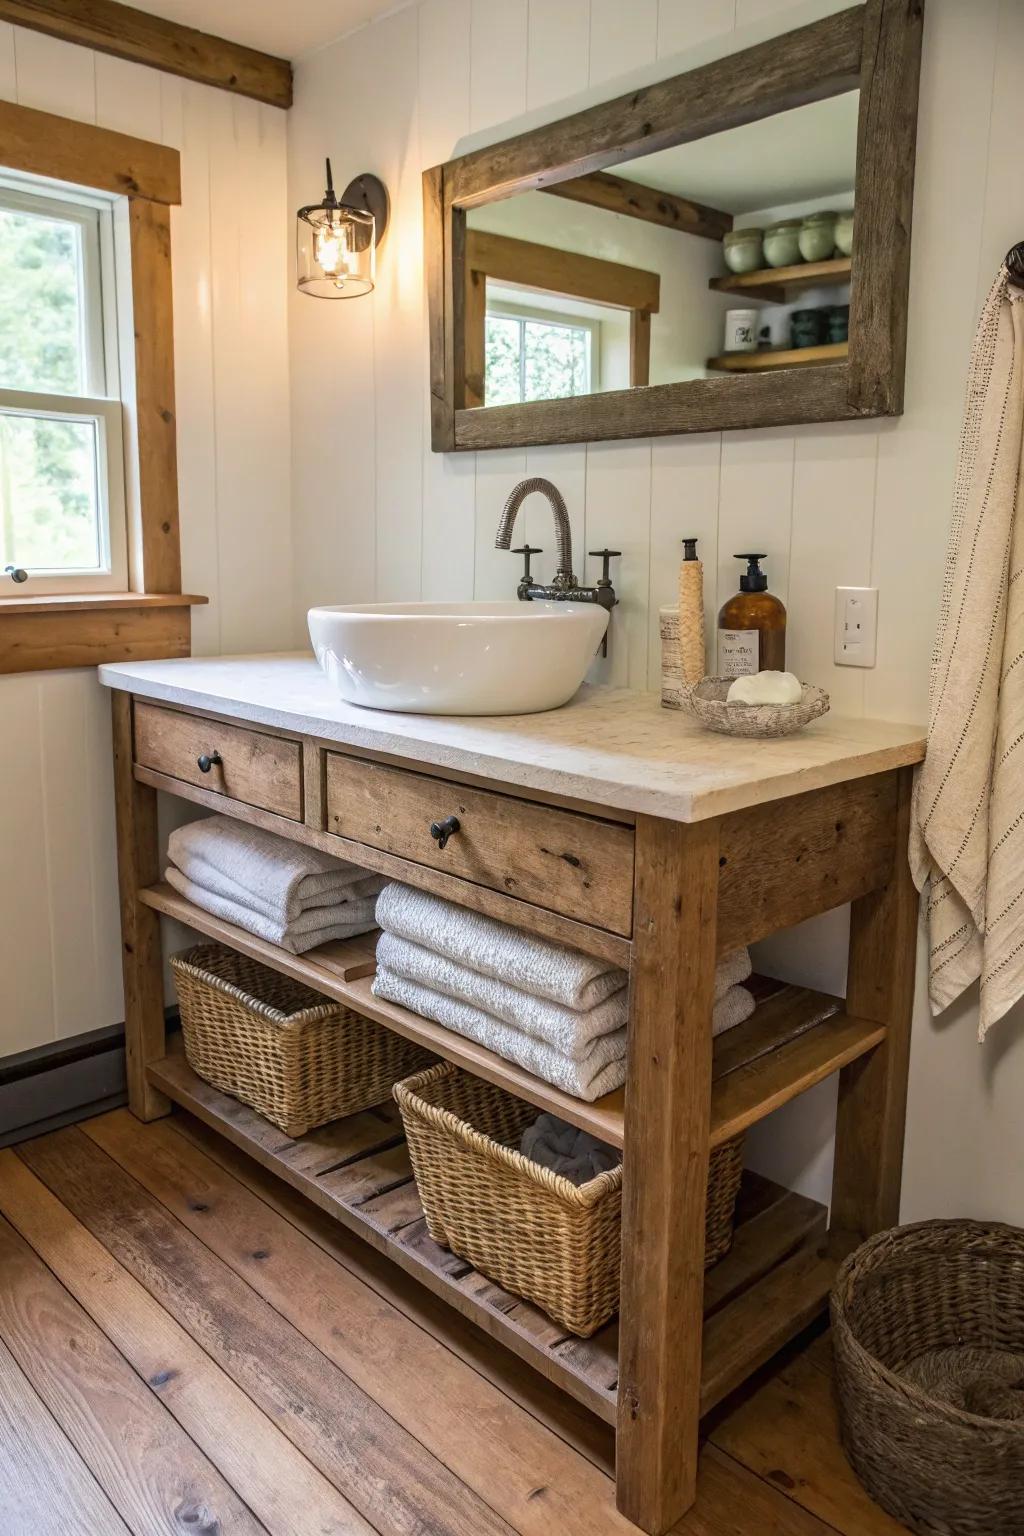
[[497, 949], [258, 869], [731, 970], [343, 921], [570, 1031], [602, 1069], [565, 1149]]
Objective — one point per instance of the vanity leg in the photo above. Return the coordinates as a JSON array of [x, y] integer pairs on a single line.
[[668, 1107], [138, 864], [873, 1090]]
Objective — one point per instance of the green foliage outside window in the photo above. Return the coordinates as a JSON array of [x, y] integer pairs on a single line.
[[531, 359]]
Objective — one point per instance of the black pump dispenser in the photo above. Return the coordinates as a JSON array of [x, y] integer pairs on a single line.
[[689, 549], [753, 579]]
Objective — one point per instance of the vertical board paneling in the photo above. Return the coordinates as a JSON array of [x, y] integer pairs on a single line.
[[756, 508], [495, 572], [684, 23], [54, 76], [558, 64], [59, 926], [8, 71], [619, 517], [833, 507], [685, 478], [498, 45], [622, 37]]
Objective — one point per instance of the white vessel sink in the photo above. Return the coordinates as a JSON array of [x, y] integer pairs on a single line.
[[508, 658]]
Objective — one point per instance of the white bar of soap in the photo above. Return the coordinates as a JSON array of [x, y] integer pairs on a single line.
[[765, 688]]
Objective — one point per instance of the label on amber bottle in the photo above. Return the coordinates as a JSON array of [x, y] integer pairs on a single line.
[[738, 652]]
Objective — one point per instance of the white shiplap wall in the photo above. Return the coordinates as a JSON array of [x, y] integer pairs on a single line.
[[59, 947], [376, 511]]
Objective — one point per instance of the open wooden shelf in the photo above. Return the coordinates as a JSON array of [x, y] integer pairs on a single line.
[[774, 284], [772, 1282], [780, 357], [796, 1038]]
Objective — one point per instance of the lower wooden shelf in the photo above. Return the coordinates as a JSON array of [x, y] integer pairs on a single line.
[[773, 1281]]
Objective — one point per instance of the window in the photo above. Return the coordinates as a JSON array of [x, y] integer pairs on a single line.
[[538, 355], [62, 507]]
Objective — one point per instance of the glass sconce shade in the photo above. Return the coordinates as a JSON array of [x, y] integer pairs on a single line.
[[336, 242]]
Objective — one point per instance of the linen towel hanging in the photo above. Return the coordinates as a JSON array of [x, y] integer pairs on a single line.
[[967, 833]]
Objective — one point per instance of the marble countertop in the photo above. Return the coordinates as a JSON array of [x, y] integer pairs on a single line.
[[613, 747]]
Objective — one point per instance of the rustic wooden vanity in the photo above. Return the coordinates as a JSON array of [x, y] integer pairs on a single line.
[[622, 830]]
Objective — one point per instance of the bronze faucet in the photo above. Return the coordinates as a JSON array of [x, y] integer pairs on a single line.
[[564, 587]]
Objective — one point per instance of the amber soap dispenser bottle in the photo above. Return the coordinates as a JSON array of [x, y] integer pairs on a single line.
[[751, 626]]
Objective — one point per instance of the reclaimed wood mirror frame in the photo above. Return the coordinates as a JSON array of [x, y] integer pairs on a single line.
[[874, 47]]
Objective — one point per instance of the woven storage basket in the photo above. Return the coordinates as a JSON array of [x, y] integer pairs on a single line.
[[532, 1230], [928, 1328], [289, 1052]]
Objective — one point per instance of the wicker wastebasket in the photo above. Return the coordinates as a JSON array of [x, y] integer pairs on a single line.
[[533, 1231], [928, 1329], [289, 1052]]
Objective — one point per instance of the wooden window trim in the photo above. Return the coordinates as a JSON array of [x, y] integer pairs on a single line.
[[874, 47], [568, 274], [153, 619]]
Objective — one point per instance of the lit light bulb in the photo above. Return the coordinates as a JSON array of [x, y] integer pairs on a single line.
[[332, 249]]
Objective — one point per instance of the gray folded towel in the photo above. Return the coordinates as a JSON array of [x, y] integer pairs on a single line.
[[319, 926], [573, 1153], [496, 949], [269, 874], [568, 1030], [596, 1072]]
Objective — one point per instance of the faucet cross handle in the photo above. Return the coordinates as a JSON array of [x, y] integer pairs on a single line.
[[607, 556], [527, 550]]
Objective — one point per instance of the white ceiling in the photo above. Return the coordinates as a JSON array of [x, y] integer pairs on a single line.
[[790, 158], [285, 30]]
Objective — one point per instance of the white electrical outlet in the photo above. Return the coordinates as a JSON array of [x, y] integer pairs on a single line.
[[856, 626]]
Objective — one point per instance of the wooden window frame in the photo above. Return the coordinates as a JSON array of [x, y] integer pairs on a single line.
[[567, 274], [874, 47], [152, 619]]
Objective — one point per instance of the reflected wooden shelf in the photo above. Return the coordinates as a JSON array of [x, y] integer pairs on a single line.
[[796, 1038], [772, 1282], [786, 357], [774, 284]]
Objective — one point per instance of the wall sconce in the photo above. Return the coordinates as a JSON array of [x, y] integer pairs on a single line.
[[336, 242]]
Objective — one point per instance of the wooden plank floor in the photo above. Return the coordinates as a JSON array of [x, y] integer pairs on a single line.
[[188, 1345]]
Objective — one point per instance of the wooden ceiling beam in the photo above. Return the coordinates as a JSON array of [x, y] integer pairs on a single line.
[[132, 34], [636, 201]]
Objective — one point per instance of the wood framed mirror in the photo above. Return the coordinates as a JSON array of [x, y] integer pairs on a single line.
[[577, 282]]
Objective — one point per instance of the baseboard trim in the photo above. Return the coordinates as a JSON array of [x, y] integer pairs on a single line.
[[65, 1081]]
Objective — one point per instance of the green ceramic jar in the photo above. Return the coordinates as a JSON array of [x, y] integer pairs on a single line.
[[818, 236], [808, 327], [742, 249], [782, 243], [844, 233]]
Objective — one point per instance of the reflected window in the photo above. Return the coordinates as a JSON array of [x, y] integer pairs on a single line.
[[538, 355]]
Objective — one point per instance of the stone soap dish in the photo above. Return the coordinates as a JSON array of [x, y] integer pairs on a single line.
[[707, 703]]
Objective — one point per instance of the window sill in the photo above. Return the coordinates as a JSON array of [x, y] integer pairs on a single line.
[[39, 634]]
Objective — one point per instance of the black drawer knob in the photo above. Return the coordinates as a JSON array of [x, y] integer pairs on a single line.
[[441, 831], [208, 761]]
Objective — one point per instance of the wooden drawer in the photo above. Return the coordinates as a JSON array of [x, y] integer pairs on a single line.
[[254, 768], [576, 865]]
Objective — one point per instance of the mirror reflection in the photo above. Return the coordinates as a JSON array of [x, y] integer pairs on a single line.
[[729, 254]]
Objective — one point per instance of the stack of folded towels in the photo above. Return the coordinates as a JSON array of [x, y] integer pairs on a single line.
[[560, 1014], [290, 895]]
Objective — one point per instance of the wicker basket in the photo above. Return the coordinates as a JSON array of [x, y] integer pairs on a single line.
[[928, 1326], [292, 1054], [532, 1230]]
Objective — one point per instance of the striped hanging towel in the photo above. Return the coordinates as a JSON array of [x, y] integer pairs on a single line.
[[967, 835]]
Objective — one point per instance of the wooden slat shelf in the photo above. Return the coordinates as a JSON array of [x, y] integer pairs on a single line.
[[773, 1280], [796, 1038], [784, 357], [773, 284]]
